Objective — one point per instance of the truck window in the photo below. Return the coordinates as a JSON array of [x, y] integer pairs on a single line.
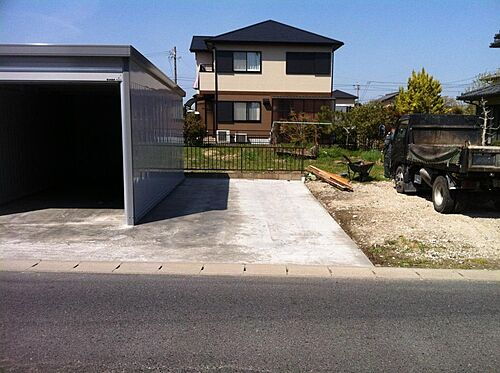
[[401, 133]]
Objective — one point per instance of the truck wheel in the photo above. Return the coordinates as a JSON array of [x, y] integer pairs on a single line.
[[399, 179], [441, 197]]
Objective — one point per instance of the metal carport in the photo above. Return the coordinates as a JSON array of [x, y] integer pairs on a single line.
[[59, 104]]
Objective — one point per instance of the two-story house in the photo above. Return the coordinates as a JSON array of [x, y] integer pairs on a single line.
[[250, 77]]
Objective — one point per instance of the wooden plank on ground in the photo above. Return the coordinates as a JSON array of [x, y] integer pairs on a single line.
[[333, 179]]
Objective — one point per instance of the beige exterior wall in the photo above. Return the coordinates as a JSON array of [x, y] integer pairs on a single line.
[[273, 77]]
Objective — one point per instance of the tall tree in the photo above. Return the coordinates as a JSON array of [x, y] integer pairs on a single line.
[[423, 95]]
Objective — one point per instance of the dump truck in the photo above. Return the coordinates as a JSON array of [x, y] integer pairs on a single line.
[[444, 153]]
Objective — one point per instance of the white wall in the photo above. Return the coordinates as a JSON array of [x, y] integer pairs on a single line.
[[157, 137]]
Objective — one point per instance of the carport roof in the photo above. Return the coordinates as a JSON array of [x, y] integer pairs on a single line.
[[66, 50]]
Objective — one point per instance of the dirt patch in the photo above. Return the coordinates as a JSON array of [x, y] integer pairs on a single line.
[[404, 230]]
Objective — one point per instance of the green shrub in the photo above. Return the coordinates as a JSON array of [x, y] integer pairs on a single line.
[[194, 131]]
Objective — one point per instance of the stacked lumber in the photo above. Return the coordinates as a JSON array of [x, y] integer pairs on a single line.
[[333, 179]]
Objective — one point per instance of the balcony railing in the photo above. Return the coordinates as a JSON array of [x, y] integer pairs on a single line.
[[206, 68]]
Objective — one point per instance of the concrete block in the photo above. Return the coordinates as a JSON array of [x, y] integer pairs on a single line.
[[396, 273], [352, 272], [223, 269], [308, 270], [265, 270], [53, 266], [438, 274], [17, 265], [180, 269], [138, 268], [96, 267], [480, 274]]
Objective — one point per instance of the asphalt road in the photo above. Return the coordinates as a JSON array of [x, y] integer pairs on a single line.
[[71, 322]]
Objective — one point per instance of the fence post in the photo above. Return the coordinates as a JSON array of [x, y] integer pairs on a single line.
[[241, 158], [302, 159]]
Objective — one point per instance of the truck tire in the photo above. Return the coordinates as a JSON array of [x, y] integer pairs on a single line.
[[399, 179], [441, 197]]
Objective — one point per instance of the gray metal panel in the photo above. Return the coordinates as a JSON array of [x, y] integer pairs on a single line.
[[157, 137], [65, 50], [128, 186], [37, 57], [61, 64]]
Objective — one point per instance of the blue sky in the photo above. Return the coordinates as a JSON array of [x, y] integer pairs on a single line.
[[384, 40]]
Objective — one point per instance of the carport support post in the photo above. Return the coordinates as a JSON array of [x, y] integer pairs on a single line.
[[128, 184]]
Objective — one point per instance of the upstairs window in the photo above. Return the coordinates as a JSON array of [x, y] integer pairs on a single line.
[[229, 62], [310, 63]]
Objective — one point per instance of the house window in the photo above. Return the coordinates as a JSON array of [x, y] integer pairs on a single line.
[[225, 112], [229, 61], [311, 63], [230, 112]]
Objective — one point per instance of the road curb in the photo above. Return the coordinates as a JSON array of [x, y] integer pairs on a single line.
[[248, 270]]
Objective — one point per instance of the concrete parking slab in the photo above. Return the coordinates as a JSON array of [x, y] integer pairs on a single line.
[[17, 265], [218, 220]]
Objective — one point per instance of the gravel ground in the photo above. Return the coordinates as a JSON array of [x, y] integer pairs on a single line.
[[404, 230]]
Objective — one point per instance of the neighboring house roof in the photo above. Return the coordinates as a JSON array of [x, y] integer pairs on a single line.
[[496, 41], [341, 94], [198, 44], [492, 90], [270, 31], [387, 97]]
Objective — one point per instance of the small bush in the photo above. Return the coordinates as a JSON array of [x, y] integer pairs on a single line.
[[194, 131]]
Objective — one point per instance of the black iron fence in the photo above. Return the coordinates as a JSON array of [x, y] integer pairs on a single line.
[[247, 157]]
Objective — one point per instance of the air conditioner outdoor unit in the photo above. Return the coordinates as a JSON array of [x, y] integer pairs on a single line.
[[240, 138], [223, 136]]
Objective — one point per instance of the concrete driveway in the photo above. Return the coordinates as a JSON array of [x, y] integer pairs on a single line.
[[204, 219]]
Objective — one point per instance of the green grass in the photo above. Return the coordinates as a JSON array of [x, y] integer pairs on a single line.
[[404, 252], [331, 159], [264, 159]]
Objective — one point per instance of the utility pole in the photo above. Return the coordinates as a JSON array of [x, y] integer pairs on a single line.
[[356, 87], [173, 55]]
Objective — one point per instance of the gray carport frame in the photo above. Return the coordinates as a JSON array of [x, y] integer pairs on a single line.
[[151, 108]]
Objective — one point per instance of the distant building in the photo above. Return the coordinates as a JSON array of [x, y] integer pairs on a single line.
[[388, 99], [344, 101], [248, 78], [490, 93]]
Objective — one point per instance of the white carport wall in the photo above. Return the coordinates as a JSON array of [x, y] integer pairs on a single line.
[[151, 115]]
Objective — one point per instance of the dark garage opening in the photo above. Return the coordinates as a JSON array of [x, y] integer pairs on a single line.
[[60, 146]]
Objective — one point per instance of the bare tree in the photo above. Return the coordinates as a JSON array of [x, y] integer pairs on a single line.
[[487, 126]]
